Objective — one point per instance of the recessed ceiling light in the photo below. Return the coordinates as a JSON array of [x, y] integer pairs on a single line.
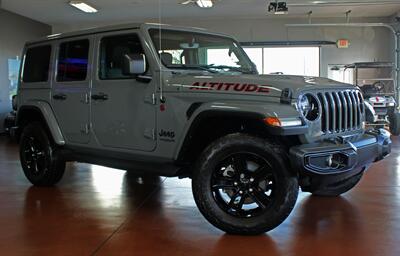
[[84, 7], [204, 3]]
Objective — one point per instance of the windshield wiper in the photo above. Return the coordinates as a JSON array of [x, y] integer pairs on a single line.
[[237, 69], [184, 66]]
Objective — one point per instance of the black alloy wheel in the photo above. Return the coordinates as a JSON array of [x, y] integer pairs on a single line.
[[243, 185]]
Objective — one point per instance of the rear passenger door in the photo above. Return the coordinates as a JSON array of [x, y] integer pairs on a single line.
[[70, 92]]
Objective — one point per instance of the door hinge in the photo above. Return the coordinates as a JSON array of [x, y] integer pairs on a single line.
[[85, 99], [85, 129], [150, 134], [151, 99]]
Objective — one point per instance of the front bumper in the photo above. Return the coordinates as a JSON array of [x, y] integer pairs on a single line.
[[339, 159]]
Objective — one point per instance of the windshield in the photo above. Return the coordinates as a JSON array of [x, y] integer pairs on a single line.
[[196, 51]]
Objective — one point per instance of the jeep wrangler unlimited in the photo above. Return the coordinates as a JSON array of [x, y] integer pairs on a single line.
[[174, 101]]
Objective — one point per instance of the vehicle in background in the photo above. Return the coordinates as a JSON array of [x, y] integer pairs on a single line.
[[10, 119], [376, 81]]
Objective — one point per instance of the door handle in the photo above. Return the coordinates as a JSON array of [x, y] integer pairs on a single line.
[[100, 96], [60, 96]]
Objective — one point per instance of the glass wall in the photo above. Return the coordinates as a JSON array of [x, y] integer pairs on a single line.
[[303, 61]]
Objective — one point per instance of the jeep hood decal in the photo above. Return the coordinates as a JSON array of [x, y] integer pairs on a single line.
[[270, 85]]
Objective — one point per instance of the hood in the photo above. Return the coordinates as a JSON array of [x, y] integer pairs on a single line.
[[269, 85]]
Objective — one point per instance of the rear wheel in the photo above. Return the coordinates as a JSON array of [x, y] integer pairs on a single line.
[[243, 186], [40, 163]]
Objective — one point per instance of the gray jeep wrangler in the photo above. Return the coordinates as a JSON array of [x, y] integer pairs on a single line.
[[174, 101]]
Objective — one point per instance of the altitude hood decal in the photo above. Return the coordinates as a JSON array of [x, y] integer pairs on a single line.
[[270, 85], [237, 87]]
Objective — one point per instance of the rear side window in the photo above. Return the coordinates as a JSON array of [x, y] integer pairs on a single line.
[[112, 52], [37, 63], [73, 61]]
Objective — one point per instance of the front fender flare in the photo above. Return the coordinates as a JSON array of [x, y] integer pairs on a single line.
[[253, 110]]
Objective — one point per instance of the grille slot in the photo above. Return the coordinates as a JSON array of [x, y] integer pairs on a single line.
[[341, 111]]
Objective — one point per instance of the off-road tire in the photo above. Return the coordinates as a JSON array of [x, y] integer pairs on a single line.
[[395, 124], [284, 198], [340, 188], [49, 168]]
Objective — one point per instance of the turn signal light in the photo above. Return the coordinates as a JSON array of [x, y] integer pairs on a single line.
[[282, 122], [273, 121]]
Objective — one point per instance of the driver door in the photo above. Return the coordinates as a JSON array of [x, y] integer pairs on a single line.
[[123, 112]]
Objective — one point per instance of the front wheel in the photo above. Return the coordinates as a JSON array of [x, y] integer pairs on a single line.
[[242, 185], [40, 163]]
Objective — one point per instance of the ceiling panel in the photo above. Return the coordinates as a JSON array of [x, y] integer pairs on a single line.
[[55, 12]]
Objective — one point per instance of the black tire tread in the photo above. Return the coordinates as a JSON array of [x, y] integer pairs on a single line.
[[56, 166], [395, 124], [237, 139]]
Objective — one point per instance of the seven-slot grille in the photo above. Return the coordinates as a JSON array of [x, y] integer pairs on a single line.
[[341, 111]]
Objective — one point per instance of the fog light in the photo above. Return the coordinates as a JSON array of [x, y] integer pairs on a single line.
[[336, 161]]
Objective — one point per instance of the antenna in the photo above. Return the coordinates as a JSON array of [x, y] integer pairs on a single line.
[[309, 16], [348, 16]]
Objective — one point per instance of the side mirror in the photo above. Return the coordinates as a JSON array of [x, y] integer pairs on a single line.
[[134, 64]]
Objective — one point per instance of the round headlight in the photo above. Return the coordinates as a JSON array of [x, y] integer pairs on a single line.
[[309, 107]]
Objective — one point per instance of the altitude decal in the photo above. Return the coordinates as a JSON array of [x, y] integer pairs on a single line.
[[231, 87]]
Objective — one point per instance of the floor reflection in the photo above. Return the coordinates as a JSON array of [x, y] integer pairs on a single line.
[[119, 212], [327, 226], [108, 185]]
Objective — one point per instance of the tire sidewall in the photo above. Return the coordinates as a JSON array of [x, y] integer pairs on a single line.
[[395, 124], [53, 168], [285, 190]]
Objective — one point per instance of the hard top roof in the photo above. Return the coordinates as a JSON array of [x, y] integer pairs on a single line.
[[98, 30]]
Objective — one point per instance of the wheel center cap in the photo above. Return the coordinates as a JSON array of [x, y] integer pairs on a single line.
[[244, 179]]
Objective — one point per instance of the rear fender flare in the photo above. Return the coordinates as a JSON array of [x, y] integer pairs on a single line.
[[44, 109]]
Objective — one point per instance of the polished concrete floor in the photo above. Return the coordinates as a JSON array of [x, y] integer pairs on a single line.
[[101, 211]]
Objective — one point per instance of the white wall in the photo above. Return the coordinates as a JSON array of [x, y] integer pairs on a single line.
[[15, 30]]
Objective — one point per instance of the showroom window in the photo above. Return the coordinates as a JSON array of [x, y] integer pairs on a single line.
[[36, 66], [303, 61], [73, 61], [112, 52]]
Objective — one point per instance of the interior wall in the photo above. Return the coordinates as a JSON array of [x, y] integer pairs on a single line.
[[15, 30], [366, 44]]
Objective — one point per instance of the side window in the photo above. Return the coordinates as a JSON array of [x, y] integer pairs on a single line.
[[36, 65], [112, 52], [73, 61]]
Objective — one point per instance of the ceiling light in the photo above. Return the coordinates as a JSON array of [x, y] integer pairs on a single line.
[[204, 3], [84, 7]]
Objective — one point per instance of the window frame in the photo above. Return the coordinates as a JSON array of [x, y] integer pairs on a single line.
[[57, 56], [153, 45], [99, 56], [23, 64]]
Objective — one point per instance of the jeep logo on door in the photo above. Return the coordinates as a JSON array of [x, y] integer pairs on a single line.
[[167, 135]]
